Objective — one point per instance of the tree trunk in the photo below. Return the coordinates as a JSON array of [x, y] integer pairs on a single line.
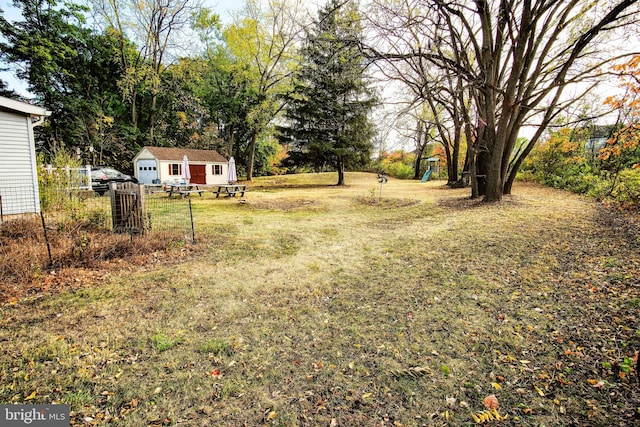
[[420, 146], [482, 167], [418, 161], [473, 169], [493, 181], [455, 155], [340, 173], [450, 164], [252, 154], [152, 117]]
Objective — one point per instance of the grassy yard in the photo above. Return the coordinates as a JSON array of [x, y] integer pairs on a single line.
[[313, 305]]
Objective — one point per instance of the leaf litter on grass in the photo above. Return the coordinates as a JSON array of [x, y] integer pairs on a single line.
[[515, 300]]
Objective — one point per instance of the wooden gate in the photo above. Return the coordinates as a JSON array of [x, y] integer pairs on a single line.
[[127, 208]]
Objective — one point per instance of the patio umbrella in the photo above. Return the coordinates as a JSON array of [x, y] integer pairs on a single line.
[[186, 174], [231, 175]]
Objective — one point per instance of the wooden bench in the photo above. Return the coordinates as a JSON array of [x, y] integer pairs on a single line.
[[230, 190]]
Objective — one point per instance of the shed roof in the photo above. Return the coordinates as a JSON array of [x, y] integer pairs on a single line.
[[25, 108], [171, 153]]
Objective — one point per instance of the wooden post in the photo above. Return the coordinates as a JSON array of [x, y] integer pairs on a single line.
[[127, 208]]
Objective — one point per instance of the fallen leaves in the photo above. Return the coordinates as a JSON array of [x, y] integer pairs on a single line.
[[595, 383], [215, 374], [488, 416], [491, 402], [415, 372]]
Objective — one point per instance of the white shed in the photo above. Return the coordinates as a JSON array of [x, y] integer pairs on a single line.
[[164, 164], [18, 167]]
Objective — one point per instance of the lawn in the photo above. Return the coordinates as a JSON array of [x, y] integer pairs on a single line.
[[314, 305]]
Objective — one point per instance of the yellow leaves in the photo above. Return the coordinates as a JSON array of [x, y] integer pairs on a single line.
[[539, 390], [31, 396], [496, 386], [488, 416], [182, 117], [271, 415]]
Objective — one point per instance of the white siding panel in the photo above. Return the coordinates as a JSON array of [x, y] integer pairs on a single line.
[[18, 184]]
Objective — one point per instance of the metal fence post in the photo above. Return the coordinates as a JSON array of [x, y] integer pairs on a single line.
[[193, 230]]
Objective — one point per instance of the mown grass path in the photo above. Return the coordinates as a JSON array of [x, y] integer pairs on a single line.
[[314, 305]]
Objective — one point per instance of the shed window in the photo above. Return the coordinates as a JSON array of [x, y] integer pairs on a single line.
[[217, 169], [174, 169]]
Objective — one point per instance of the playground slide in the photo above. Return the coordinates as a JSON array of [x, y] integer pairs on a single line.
[[426, 175]]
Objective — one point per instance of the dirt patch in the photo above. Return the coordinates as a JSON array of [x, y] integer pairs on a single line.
[[387, 203], [469, 203], [282, 204]]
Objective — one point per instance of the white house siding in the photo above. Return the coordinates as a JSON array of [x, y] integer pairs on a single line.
[[212, 179], [163, 170], [18, 170]]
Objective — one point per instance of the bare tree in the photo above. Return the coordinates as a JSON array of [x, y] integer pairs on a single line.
[[399, 30], [516, 59], [155, 27]]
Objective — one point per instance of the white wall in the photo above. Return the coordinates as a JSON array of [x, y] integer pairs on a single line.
[[18, 168]]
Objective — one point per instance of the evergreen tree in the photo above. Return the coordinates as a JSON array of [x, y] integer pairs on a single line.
[[328, 111]]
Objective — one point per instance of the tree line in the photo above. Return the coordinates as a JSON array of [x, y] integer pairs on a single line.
[[168, 73], [280, 88]]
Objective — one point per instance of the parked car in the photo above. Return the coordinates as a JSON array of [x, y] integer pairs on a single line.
[[102, 176]]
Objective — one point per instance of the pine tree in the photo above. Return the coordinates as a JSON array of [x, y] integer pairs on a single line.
[[328, 112]]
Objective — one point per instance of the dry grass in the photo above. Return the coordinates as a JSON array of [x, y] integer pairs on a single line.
[[312, 305], [75, 252]]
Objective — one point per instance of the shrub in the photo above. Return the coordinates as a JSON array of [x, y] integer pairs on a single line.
[[399, 170], [398, 164], [60, 186], [627, 191]]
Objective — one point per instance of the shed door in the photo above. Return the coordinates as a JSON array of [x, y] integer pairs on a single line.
[[198, 174], [147, 171]]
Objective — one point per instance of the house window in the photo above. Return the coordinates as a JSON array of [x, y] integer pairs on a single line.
[[217, 169], [174, 169]]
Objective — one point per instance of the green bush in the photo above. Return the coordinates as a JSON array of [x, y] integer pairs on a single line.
[[627, 191], [399, 170], [59, 186], [398, 164]]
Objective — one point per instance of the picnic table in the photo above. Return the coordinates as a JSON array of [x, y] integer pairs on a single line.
[[153, 188], [184, 190], [229, 189]]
